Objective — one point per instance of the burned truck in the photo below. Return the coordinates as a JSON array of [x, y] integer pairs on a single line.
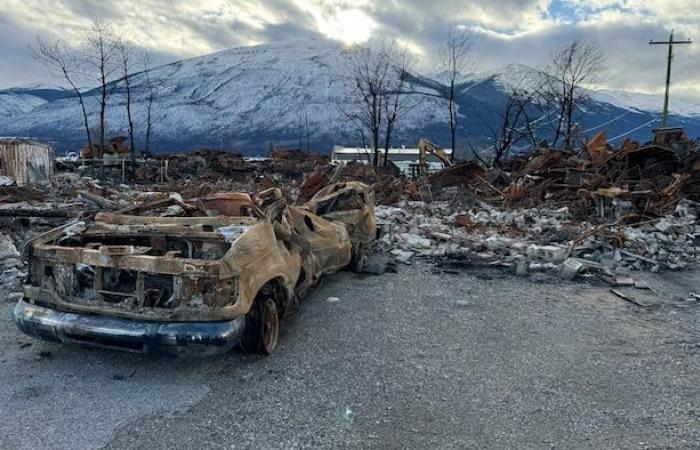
[[196, 277]]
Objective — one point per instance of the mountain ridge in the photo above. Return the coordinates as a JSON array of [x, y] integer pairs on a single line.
[[251, 97]]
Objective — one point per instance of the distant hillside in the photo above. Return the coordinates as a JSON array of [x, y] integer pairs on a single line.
[[246, 98]]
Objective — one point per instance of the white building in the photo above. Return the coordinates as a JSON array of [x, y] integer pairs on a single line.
[[403, 157]]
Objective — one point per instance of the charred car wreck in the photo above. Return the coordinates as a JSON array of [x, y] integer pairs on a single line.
[[196, 277]]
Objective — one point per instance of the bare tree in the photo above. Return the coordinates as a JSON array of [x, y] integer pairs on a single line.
[[151, 87], [308, 132], [125, 51], [395, 99], [100, 56], [571, 69], [453, 60], [512, 124], [300, 132], [369, 72], [64, 64], [352, 114]]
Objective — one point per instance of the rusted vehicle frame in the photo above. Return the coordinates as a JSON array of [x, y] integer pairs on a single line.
[[188, 285]]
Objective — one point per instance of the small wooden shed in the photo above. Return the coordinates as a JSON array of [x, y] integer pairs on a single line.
[[26, 160]]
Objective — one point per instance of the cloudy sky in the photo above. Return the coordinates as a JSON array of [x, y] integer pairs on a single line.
[[508, 31]]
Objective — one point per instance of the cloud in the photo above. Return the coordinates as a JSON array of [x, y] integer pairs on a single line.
[[507, 31]]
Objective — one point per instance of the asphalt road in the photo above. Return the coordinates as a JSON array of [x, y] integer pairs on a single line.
[[410, 360]]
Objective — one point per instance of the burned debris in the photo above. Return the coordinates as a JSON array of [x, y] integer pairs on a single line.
[[601, 210], [213, 237]]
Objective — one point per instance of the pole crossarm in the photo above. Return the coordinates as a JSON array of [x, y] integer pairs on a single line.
[[687, 41]]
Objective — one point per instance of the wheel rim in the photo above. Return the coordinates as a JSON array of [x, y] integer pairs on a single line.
[[270, 326]]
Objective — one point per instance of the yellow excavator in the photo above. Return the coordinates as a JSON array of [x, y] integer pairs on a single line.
[[426, 147]]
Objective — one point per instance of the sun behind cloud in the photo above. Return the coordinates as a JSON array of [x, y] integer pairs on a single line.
[[348, 23], [351, 26]]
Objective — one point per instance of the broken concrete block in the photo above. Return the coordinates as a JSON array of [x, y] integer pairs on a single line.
[[498, 242], [402, 256], [550, 253], [663, 225], [418, 242], [415, 242], [624, 281], [570, 268], [639, 284], [521, 266], [441, 236]]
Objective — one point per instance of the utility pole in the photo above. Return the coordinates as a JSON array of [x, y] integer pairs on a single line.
[[670, 42]]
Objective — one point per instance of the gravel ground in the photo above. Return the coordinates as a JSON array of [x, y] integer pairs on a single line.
[[478, 359]]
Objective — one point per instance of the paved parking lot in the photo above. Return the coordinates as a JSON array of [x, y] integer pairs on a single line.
[[410, 360]]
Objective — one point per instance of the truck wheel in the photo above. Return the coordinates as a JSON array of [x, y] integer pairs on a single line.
[[262, 327], [357, 261]]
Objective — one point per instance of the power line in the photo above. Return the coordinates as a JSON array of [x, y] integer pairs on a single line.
[[607, 123], [627, 133]]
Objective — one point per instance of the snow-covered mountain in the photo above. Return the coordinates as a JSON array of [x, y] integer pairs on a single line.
[[249, 97], [15, 104], [524, 77], [17, 101], [647, 102]]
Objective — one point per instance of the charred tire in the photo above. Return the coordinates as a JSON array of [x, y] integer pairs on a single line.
[[357, 259], [262, 328]]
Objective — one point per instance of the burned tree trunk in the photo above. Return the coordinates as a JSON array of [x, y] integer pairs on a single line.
[[453, 59], [125, 57]]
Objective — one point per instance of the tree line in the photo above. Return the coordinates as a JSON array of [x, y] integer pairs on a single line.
[[383, 91]]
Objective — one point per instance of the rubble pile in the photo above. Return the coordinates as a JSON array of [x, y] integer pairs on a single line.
[[203, 165], [605, 182], [206, 165], [386, 182], [539, 239], [601, 210]]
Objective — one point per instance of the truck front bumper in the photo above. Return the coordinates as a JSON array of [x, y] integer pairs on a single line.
[[171, 338]]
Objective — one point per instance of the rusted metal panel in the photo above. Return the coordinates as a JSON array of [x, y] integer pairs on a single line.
[[225, 204], [460, 174], [598, 148]]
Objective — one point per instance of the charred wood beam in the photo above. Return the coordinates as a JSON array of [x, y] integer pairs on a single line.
[[32, 212]]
